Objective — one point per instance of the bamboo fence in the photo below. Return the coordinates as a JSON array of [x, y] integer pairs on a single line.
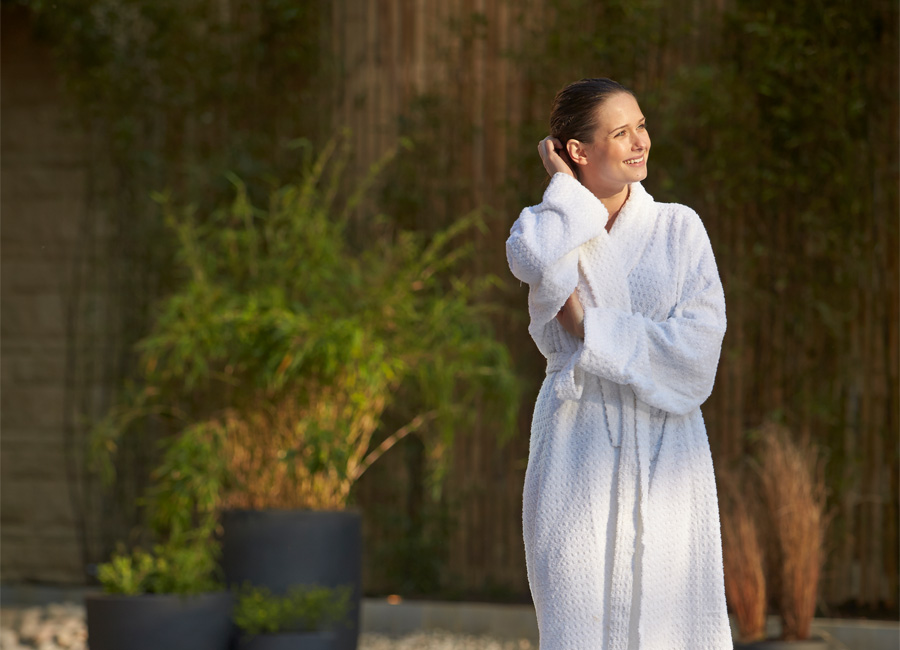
[[462, 78], [463, 51]]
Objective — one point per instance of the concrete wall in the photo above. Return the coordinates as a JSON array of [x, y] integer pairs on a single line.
[[43, 176]]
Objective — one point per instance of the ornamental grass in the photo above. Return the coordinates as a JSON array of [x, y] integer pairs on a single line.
[[793, 491], [745, 580]]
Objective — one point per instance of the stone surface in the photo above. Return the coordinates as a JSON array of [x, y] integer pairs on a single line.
[[44, 202], [56, 556], [52, 627], [440, 641], [63, 627], [9, 640]]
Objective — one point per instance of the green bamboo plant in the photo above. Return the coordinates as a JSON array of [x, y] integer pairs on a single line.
[[276, 360]]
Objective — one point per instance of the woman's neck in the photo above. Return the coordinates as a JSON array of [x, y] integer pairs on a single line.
[[613, 203], [612, 199]]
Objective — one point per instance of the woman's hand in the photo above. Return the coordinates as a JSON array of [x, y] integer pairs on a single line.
[[554, 157], [571, 316]]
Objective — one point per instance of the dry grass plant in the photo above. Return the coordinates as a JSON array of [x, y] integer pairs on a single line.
[[271, 450], [745, 579], [793, 490]]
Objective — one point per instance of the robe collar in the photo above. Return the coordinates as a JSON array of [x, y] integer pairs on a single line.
[[634, 226]]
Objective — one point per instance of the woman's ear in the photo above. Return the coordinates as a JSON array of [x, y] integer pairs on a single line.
[[576, 151]]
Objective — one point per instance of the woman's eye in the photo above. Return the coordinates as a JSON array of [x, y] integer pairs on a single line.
[[620, 133], [642, 126]]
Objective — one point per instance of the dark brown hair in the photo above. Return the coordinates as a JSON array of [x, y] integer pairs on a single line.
[[574, 114]]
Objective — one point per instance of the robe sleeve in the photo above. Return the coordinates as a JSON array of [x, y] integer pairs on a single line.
[[670, 365], [542, 249]]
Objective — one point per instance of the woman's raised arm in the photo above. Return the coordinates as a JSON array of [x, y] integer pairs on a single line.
[[542, 249]]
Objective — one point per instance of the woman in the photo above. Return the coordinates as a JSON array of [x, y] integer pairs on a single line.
[[620, 515]]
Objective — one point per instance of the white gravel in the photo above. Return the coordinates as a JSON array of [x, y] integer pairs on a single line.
[[62, 627], [47, 628], [440, 641]]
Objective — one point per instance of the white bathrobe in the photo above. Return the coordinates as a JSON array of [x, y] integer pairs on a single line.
[[620, 515]]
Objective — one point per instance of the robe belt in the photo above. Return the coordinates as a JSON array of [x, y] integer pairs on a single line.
[[569, 383], [632, 484]]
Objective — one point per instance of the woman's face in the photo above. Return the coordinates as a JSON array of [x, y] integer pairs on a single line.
[[618, 154]]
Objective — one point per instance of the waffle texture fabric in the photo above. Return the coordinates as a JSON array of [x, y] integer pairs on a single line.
[[620, 515]]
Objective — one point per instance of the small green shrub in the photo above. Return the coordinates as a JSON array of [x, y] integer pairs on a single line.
[[168, 569], [303, 609], [180, 509]]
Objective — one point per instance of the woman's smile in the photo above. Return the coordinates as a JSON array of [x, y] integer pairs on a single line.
[[617, 154]]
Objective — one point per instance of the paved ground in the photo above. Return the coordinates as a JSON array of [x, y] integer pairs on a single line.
[[40, 621], [440, 641], [62, 626]]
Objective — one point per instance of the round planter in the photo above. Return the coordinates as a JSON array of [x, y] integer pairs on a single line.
[[292, 641], [812, 643], [282, 548], [154, 621]]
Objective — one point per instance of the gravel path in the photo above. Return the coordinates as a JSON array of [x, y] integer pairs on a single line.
[[62, 627], [440, 641]]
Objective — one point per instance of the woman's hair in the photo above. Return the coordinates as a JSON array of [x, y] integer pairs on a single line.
[[574, 114]]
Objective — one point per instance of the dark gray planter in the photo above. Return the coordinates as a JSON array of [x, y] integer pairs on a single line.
[[282, 548], [291, 641], [813, 643], [154, 621]]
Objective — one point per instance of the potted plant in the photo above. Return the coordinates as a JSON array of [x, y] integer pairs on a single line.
[[790, 508], [305, 617], [292, 340], [172, 596]]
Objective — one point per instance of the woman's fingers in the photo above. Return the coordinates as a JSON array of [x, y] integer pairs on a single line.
[[550, 146], [574, 308], [551, 151], [571, 316]]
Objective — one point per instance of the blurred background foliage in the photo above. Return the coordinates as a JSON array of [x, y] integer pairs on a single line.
[[777, 122], [288, 345]]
